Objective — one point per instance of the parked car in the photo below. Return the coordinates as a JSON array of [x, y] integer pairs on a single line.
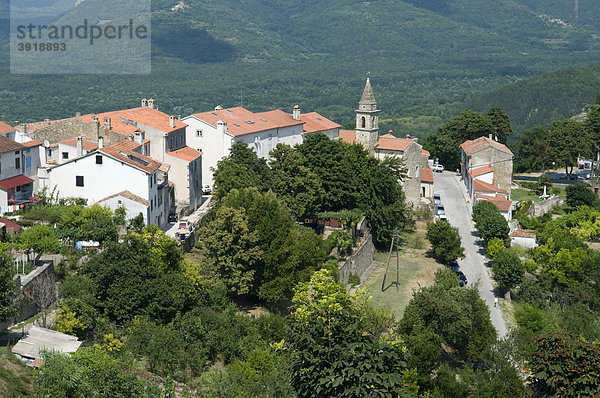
[[441, 217], [206, 189], [462, 279], [438, 168], [185, 225], [454, 266], [173, 217], [437, 199], [439, 210]]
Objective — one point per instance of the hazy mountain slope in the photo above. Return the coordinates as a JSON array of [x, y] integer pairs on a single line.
[[541, 99]]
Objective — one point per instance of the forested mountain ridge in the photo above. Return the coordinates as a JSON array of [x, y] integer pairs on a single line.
[[426, 58]]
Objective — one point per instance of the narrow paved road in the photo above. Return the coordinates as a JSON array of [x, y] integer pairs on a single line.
[[454, 199]]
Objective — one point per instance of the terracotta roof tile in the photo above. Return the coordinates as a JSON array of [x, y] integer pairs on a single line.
[[6, 128], [10, 225], [15, 181], [241, 121], [87, 145], [481, 143], [523, 233], [186, 153], [348, 136], [390, 143], [128, 195], [32, 143], [126, 121], [8, 145], [426, 153], [482, 186], [481, 171], [314, 123], [427, 175], [129, 156]]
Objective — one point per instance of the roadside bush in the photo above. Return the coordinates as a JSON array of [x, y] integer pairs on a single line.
[[579, 194], [445, 242], [494, 247], [354, 280]]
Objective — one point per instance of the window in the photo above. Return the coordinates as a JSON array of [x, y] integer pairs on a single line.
[[78, 181], [98, 159], [49, 153], [120, 201], [18, 189], [17, 163], [363, 122], [65, 155], [17, 153], [198, 133]]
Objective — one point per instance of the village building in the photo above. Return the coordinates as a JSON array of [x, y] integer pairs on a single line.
[[37, 340], [213, 133], [15, 186], [486, 169], [427, 184], [98, 175], [7, 130]]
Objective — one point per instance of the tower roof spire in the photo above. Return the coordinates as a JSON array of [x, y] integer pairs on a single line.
[[367, 96]]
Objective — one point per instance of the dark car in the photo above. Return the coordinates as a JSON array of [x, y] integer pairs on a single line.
[[172, 217], [462, 279], [454, 266]]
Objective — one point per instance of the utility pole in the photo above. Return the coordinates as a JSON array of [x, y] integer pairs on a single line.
[[394, 248]]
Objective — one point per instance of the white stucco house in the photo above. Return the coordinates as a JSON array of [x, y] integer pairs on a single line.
[[213, 133], [186, 174], [99, 175], [15, 186]]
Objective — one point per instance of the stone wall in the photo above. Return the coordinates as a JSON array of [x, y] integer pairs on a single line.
[[72, 128], [500, 161], [412, 186], [25, 287], [540, 208], [360, 261]]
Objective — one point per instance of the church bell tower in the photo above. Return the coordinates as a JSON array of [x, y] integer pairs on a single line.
[[367, 120]]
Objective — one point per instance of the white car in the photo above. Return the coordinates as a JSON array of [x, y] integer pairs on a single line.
[[206, 189], [438, 168]]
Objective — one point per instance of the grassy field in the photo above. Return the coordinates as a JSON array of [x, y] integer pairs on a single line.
[[522, 194], [415, 270], [16, 379]]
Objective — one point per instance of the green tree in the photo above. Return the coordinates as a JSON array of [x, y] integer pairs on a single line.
[[332, 351], [567, 140], [294, 183], [458, 315], [489, 222], [7, 287], [508, 269], [445, 241], [592, 125], [40, 238], [501, 123], [230, 247], [580, 194], [564, 366], [531, 149]]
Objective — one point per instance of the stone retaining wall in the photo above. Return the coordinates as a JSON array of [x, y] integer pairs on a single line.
[[360, 261]]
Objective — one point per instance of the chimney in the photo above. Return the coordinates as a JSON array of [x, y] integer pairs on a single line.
[[96, 125], [218, 108], [151, 103], [490, 136], [107, 125], [172, 121], [144, 102], [296, 112], [139, 137], [77, 114], [390, 132], [496, 138], [79, 146], [100, 142], [47, 122], [408, 136], [221, 127], [21, 127]]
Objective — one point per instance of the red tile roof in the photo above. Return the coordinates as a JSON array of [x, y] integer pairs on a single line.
[[314, 123], [186, 153], [33, 127], [128, 195], [126, 121], [426, 153], [390, 143], [502, 205], [87, 145], [126, 145], [523, 233], [8, 145], [5, 128], [10, 225], [241, 121], [481, 171], [32, 143], [348, 136], [121, 152], [14, 182], [427, 175], [481, 186], [481, 143]]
